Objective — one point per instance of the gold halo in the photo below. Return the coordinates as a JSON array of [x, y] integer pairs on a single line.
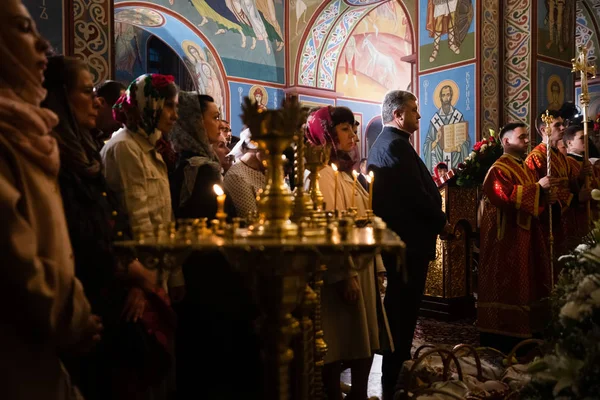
[[561, 96], [187, 43], [455, 93], [265, 94]]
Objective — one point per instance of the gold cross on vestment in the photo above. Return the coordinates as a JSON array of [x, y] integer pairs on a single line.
[[580, 64]]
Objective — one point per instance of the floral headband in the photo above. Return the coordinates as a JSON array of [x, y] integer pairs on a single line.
[[144, 97]]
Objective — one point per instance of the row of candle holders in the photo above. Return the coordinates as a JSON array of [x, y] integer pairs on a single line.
[[318, 224]]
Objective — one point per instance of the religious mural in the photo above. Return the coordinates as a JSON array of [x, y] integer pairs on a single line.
[[555, 28], [204, 66], [447, 107], [370, 63], [130, 51], [301, 12], [447, 33], [268, 97], [585, 34], [555, 86], [248, 35]]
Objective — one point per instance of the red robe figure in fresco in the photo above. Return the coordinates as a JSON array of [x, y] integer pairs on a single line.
[[514, 273]]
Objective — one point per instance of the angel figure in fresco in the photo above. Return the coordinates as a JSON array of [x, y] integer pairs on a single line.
[[203, 74], [221, 15], [300, 7], [267, 8], [558, 14], [127, 48], [247, 14], [350, 53], [446, 17]]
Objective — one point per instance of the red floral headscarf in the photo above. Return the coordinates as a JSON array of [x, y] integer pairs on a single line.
[[143, 100], [320, 131]]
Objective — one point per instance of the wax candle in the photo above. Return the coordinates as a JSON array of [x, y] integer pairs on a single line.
[[220, 200], [355, 175], [335, 191], [371, 179]]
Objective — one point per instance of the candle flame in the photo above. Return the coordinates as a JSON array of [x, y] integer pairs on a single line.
[[283, 157], [218, 190], [354, 173], [371, 174], [335, 168], [369, 178]]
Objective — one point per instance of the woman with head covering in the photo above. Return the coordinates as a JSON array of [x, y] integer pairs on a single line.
[[246, 177], [95, 220], [354, 322], [198, 167], [225, 307], [133, 167], [43, 306]]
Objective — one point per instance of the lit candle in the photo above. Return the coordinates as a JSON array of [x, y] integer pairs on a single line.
[[220, 200], [355, 175], [371, 179], [335, 174]]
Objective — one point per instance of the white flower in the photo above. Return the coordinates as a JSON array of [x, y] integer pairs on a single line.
[[483, 147], [595, 298], [472, 155], [587, 285], [582, 248], [575, 311]]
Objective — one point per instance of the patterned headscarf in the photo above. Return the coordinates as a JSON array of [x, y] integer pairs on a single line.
[[139, 108], [320, 131]]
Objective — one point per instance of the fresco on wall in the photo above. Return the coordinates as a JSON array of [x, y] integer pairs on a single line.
[[555, 28], [584, 31], [48, 17], [268, 97], [447, 107], [130, 51], [204, 71], [447, 33], [555, 86], [203, 65], [371, 64], [248, 34]]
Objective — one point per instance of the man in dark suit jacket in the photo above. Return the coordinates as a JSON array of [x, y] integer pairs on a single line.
[[362, 176], [407, 199]]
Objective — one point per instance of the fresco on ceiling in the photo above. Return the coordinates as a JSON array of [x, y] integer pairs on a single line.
[[247, 34], [130, 51], [447, 106], [447, 32], [555, 86], [555, 28], [371, 64], [200, 61], [584, 31], [301, 12], [48, 17]]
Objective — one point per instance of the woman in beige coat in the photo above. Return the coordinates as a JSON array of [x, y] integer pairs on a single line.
[[42, 305], [354, 323]]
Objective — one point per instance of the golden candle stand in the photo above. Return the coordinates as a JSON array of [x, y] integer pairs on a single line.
[[283, 261]]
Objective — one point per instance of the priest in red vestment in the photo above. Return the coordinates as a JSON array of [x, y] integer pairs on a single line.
[[568, 181], [577, 224], [514, 273]]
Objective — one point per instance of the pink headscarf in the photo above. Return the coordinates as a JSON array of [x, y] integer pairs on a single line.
[[320, 131]]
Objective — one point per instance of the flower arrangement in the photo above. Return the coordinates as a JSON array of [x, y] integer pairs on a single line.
[[473, 170], [597, 123], [572, 370]]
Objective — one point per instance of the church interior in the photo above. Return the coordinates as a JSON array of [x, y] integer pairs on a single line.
[[294, 244]]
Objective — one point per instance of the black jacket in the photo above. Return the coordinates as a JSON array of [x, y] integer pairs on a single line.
[[404, 194]]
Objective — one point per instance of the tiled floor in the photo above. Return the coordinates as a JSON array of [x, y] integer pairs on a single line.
[[428, 331]]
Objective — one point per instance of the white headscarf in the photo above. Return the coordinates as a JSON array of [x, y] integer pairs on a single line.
[[238, 150]]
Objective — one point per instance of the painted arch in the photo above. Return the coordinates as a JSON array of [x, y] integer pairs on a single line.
[[344, 49], [199, 55]]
